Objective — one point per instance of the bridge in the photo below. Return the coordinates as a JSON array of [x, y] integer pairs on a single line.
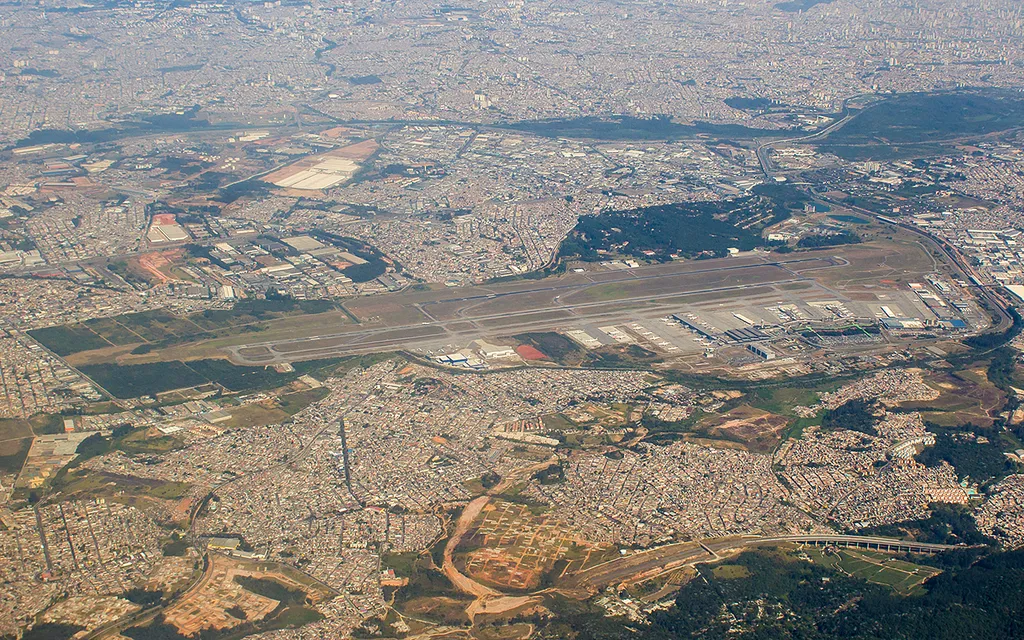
[[861, 542]]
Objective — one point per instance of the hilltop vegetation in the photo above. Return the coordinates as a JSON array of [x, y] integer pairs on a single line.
[[690, 229], [917, 117], [855, 415], [917, 124]]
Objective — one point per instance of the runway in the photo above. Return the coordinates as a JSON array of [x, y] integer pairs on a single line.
[[425, 319], [673, 556]]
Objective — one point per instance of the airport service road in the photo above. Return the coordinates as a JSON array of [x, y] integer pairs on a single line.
[[430, 319]]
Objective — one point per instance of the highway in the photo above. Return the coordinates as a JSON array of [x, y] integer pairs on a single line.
[[868, 542], [762, 153], [952, 254]]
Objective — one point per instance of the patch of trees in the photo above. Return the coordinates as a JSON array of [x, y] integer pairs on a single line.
[[94, 445], [783, 194], [490, 479], [67, 339], [98, 445], [425, 580], [48, 631], [917, 117], [156, 630], [993, 340], [947, 524], [985, 600], [133, 381], [855, 415], [252, 187], [211, 180], [980, 461], [749, 104], [185, 166], [688, 229], [237, 612], [365, 80], [276, 303], [551, 474], [794, 6], [1002, 367], [366, 271], [150, 125], [272, 589], [628, 128], [42, 73], [63, 136], [24, 244], [176, 546], [143, 597], [375, 265]]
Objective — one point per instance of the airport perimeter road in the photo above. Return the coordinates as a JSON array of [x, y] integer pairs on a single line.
[[420, 319]]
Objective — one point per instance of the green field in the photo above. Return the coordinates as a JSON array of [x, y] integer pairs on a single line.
[[878, 568], [13, 428], [292, 403], [135, 380], [68, 339], [160, 328], [46, 424], [78, 485], [404, 564], [782, 400], [13, 454]]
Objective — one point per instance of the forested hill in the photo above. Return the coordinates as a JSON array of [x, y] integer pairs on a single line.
[[687, 229], [773, 595]]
